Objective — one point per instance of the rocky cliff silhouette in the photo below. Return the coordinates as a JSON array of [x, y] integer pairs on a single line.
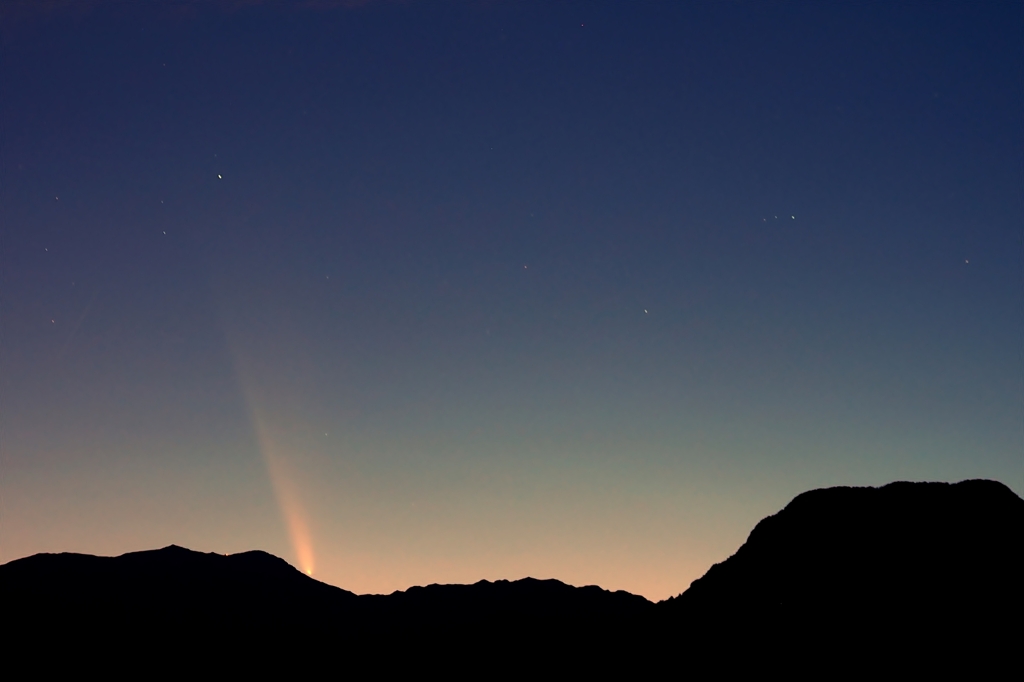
[[905, 545], [917, 571], [923, 572]]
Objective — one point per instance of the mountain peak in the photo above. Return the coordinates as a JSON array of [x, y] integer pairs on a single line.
[[860, 546]]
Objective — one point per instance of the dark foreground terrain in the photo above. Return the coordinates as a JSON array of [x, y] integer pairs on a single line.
[[915, 575]]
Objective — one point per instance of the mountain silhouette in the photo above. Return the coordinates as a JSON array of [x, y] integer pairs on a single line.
[[914, 572], [165, 583], [918, 570]]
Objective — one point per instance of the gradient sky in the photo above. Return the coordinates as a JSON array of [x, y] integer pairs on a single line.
[[434, 292]]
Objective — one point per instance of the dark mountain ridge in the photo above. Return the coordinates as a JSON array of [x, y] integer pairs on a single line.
[[926, 573], [920, 567], [164, 583], [912, 544]]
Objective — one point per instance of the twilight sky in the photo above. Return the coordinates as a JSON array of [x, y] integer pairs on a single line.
[[413, 292]]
